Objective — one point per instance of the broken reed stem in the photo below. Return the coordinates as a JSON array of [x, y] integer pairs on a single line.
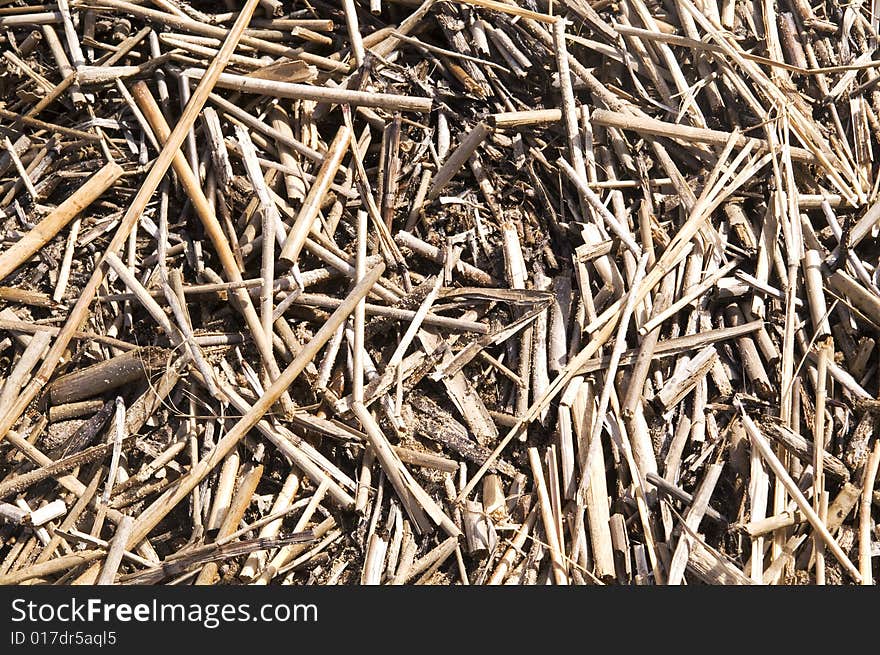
[[692, 519], [551, 532], [825, 348], [357, 356], [297, 235], [467, 147], [57, 565], [448, 322], [354, 31], [115, 552], [32, 354], [332, 95], [866, 523], [763, 447], [653, 127]]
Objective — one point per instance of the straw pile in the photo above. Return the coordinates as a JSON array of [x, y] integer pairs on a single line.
[[480, 292]]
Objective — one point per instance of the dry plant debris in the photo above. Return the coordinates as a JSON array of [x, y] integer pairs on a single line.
[[478, 292]]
